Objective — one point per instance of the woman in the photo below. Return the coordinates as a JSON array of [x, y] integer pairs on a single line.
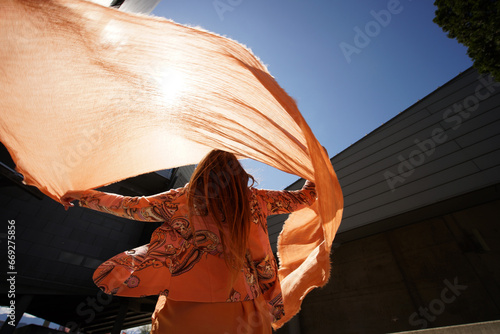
[[210, 261]]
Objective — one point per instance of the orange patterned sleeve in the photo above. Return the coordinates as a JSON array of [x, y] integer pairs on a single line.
[[267, 276], [155, 208], [287, 201], [271, 202]]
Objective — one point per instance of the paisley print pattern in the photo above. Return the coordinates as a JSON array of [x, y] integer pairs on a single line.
[[187, 253], [132, 281], [235, 296]]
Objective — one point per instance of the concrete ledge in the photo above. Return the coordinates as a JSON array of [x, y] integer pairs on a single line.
[[490, 327]]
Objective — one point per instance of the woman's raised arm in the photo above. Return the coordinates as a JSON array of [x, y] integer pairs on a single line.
[[155, 208], [287, 201]]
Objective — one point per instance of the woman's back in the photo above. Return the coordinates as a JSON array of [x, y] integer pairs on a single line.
[[212, 252]]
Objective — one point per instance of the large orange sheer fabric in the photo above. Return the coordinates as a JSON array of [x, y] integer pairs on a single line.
[[90, 95]]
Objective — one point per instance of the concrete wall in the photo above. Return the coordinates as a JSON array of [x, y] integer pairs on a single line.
[[489, 327], [437, 272]]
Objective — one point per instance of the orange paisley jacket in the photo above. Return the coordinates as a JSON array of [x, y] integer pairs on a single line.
[[184, 259]]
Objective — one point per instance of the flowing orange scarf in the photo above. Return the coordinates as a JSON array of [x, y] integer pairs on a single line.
[[90, 95]]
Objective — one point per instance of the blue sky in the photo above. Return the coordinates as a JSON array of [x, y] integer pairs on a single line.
[[402, 57]]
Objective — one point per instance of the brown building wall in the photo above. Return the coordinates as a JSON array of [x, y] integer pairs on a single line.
[[436, 272]]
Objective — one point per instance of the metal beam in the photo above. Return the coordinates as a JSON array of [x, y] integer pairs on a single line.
[[120, 318], [18, 179]]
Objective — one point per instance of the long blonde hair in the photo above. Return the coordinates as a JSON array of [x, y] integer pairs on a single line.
[[219, 188]]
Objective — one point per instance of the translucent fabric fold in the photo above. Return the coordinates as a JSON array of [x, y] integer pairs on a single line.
[[90, 95]]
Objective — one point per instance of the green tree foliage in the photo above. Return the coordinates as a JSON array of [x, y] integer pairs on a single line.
[[475, 24]]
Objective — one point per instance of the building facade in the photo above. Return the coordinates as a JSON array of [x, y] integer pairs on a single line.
[[418, 245]]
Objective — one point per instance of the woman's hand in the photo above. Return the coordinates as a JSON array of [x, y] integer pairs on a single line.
[[69, 197]]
